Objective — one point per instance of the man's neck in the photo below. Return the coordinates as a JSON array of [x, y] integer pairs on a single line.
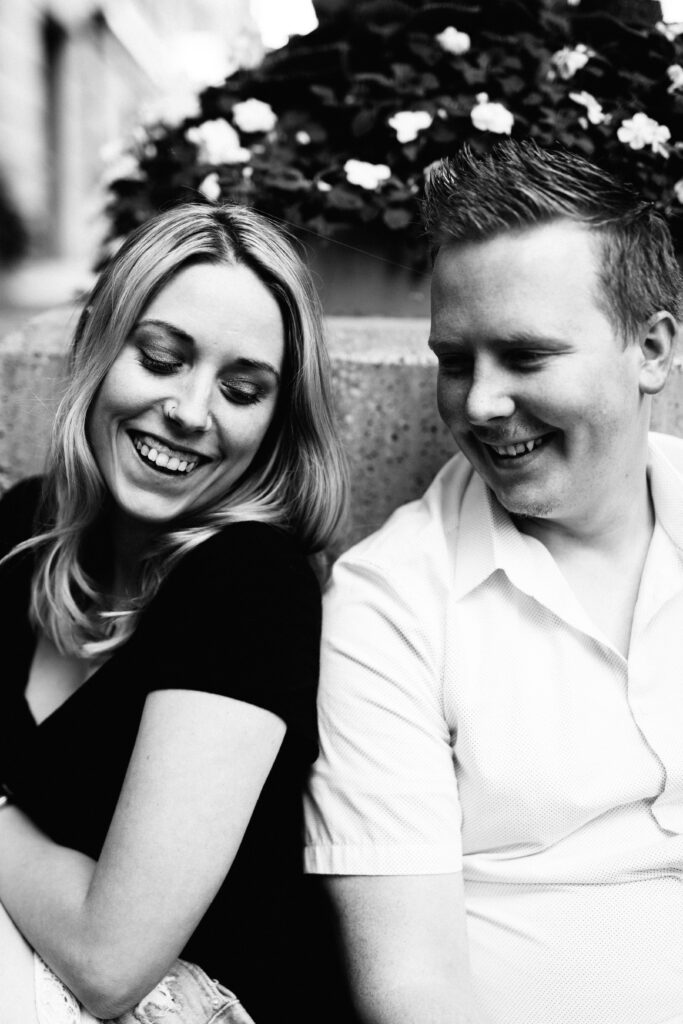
[[607, 530], [602, 561]]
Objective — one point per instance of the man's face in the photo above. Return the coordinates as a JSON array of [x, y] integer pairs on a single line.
[[536, 385]]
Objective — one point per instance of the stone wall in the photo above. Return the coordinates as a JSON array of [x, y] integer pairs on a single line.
[[384, 382]]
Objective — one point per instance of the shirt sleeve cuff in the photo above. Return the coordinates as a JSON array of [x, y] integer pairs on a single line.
[[415, 859]]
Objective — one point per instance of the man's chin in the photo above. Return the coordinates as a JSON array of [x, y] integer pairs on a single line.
[[527, 508]]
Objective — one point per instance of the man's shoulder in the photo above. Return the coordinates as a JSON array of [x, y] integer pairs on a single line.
[[419, 532]]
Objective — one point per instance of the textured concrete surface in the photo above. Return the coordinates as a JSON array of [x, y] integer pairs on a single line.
[[384, 384]]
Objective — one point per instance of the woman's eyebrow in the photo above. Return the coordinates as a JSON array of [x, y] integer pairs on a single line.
[[257, 364], [177, 332]]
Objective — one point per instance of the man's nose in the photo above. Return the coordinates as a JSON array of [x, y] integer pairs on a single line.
[[489, 396]]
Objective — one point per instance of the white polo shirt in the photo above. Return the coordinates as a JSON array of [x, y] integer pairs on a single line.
[[473, 717]]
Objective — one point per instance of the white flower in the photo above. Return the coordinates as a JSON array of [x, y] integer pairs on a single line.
[[671, 30], [210, 187], [453, 41], [675, 73], [323, 186], [594, 111], [640, 131], [369, 176], [254, 116], [407, 124], [573, 3], [217, 143], [567, 61], [303, 138], [491, 117], [678, 190]]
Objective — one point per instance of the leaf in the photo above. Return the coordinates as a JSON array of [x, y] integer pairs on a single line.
[[340, 198], [364, 121], [397, 218]]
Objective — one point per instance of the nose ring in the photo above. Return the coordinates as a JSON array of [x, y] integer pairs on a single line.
[[170, 411]]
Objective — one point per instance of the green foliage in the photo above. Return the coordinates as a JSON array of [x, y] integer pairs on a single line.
[[334, 91]]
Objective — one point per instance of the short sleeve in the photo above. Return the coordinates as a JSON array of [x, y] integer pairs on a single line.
[[382, 797], [239, 616]]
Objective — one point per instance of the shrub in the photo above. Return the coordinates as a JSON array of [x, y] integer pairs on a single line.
[[333, 132]]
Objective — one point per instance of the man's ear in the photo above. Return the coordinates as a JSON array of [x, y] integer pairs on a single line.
[[657, 346]]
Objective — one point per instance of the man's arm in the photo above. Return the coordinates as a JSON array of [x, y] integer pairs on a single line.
[[405, 946]]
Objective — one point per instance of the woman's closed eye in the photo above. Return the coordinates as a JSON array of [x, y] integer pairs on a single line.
[[161, 361], [242, 390]]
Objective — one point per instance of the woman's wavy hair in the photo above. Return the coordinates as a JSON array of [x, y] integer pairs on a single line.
[[296, 481]]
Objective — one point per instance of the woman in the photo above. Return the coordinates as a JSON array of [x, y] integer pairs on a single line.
[[160, 634]]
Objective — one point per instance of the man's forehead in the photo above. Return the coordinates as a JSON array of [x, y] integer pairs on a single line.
[[543, 283]]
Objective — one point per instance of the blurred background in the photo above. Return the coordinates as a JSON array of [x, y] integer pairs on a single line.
[[324, 113], [77, 78]]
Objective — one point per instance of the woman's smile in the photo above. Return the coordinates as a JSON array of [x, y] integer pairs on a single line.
[[163, 457]]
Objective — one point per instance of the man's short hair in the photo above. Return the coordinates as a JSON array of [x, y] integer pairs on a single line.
[[517, 185]]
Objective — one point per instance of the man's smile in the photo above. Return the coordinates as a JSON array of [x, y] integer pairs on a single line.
[[515, 450]]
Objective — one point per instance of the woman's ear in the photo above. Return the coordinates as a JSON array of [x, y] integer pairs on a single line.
[[657, 345]]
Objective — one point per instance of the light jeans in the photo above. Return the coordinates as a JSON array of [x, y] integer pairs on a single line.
[[186, 995]]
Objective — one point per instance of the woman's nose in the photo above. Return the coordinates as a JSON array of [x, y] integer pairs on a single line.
[[190, 406], [489, 397]]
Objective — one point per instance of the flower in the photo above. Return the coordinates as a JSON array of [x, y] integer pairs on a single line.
[[217, 143], [453, 41], [671, 30], [210, 187], [594, 111], [369, 176], [303, 138], [567, 61], [678, 190], [491, 117], [675, 73], [640, 131], [254, 116], [407, 124], [323, 186]]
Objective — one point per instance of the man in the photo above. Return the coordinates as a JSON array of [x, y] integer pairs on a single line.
[[499, 799]]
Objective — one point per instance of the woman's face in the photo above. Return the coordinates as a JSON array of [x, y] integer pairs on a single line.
[[185, 406]]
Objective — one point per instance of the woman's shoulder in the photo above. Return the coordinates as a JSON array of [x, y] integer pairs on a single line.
[[251, 546], [18, 510], [242, 563]]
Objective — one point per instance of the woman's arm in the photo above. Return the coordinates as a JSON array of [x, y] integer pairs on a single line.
[[112, 930]]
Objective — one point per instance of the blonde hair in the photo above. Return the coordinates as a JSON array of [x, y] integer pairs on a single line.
[[297, 479]]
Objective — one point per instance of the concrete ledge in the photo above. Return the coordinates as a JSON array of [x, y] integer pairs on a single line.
[[384, 385]]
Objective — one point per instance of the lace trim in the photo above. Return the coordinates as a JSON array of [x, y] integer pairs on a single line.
[[54, 1003]]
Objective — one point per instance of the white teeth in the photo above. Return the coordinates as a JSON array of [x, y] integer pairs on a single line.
[[163, 459], [514, 450]]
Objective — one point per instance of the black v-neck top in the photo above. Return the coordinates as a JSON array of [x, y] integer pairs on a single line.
[[240, 616]]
